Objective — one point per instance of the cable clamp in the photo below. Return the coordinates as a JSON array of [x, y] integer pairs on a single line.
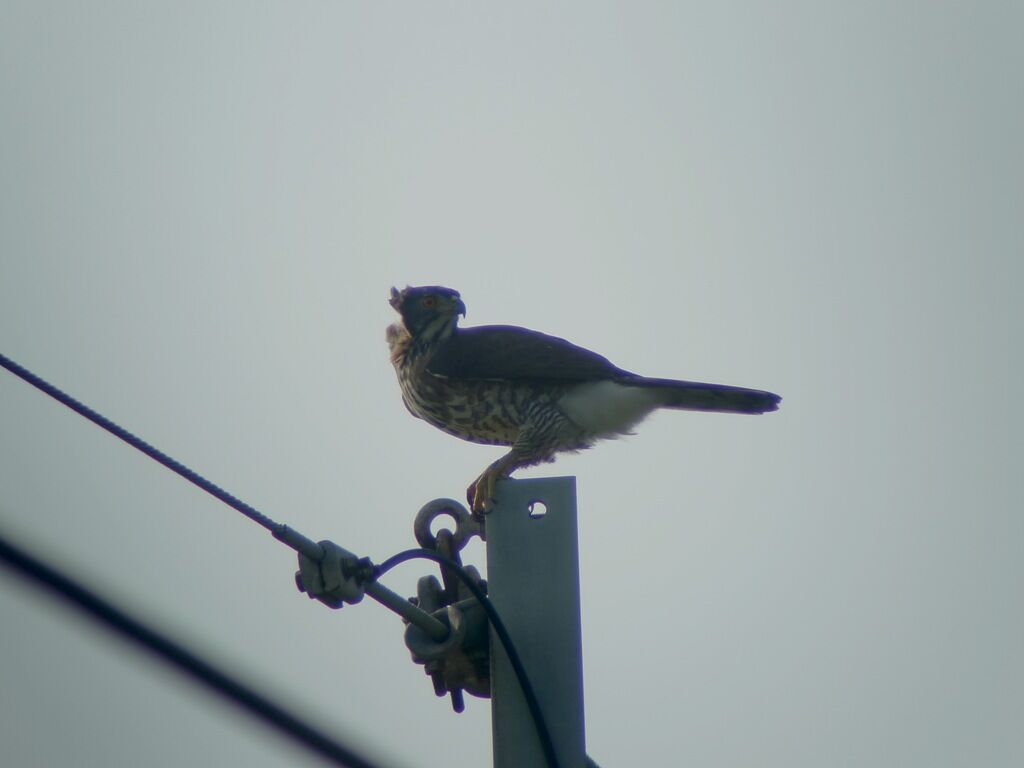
[[336, 579]]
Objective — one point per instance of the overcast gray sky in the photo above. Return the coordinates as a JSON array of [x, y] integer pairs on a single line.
[[203, 207]]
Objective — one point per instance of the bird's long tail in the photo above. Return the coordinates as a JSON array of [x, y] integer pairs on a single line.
[[695, 396]]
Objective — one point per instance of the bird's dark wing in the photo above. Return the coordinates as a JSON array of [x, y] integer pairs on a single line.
[[508, 352]]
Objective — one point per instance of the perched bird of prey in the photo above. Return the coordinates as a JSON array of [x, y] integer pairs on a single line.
[[539, 394]]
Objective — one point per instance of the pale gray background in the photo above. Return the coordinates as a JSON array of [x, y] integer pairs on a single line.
[[203, 206]]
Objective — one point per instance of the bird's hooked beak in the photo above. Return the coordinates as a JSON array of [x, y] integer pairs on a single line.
[[460, 307]]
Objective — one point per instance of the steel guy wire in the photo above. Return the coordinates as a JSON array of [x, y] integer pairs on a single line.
[[281, 532], [136, 442]]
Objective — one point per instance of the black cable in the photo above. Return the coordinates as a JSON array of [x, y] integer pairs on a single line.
[[66, 588], [499, 629], [154, 453]]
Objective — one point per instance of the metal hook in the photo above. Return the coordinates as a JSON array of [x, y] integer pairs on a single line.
[[465, 526]]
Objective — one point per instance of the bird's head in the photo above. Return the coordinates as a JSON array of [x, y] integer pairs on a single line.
[[427, 310]]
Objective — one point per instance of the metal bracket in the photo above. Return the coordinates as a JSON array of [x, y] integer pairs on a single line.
[[460, 662]]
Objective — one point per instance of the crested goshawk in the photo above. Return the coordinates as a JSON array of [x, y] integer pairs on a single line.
[[539, 394]]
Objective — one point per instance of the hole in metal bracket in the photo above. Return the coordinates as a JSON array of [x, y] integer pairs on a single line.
[[442, 521], [537, 509]]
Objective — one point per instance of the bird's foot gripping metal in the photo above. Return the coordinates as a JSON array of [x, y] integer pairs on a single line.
[[461, 662], [482, 492]]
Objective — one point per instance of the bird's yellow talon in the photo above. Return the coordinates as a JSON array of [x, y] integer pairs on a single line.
[[481, 493]]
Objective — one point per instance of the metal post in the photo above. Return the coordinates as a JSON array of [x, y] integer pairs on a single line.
[[533, 580]]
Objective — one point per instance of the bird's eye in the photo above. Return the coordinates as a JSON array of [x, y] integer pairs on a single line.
[[428, 302]]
